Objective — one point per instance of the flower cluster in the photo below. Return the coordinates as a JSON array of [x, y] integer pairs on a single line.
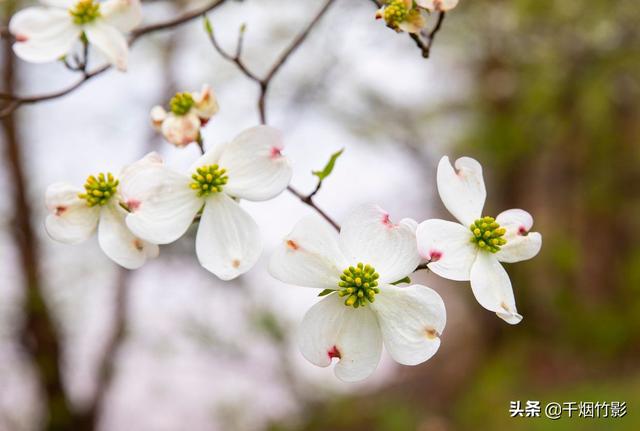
[[49, 33], [188, 113], [150, 204], [362, 270], [75, 214], [408, 15]]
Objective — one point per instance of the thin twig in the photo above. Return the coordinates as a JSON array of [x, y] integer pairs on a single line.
[[264, 87], [38, 330], [17, 101], [316, 190], [306, 199], [280, 61], [236, 59], [431, 36]]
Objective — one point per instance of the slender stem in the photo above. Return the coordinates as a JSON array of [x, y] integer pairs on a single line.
[[308, 200], [200, 143], [316, 190], [85, 55], [182, 19], [234, 58], [264, 87], [432, 34]]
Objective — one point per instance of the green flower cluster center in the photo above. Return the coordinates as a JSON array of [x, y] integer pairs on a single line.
[[209, 179], [359, 284], [395, 12], [487, 234], [85, 11], [99, 189], [181, 103]]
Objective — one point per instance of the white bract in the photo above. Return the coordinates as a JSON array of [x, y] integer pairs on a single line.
[[188, 113], [473, 249], [366, 310], [437, 5], [164, 203], [74, 215], [49, 33], [402, 15]]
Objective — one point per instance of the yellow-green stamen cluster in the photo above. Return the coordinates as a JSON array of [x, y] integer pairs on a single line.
[[487, 234], [85, 11], [359, 284], [99, 189], [209, 179], [181, 103], [395, 12]]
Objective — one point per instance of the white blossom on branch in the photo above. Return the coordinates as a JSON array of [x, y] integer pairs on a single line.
[[48, 33], [363, 308], [473, 248], [164, 203], [75, 214]]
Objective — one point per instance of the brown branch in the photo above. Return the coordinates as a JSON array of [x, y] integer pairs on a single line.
[[266, 81], [237, 58], [16, 101], [182, 19], [39, 333], [264, 87], [308, 200], [4, 33]]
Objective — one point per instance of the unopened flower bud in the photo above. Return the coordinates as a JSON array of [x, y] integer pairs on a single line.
[[181, 130]]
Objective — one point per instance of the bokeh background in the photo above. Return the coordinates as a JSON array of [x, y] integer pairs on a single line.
[[546, 94]]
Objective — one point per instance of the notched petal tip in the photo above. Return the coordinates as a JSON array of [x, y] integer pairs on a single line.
[[276, 153], [433, 256], [511, 318], [431, 333], [334, 352], [292, 245]]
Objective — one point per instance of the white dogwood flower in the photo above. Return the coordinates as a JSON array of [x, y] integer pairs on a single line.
[[188, 113], [74, 215], [473, 249], [365, 310], [402, 15], [49, 33], [164, 203], [437, 5]]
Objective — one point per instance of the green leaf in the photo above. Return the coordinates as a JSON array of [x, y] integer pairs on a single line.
[[207, 25], [326, 292], [404, 280], [328, 168]]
